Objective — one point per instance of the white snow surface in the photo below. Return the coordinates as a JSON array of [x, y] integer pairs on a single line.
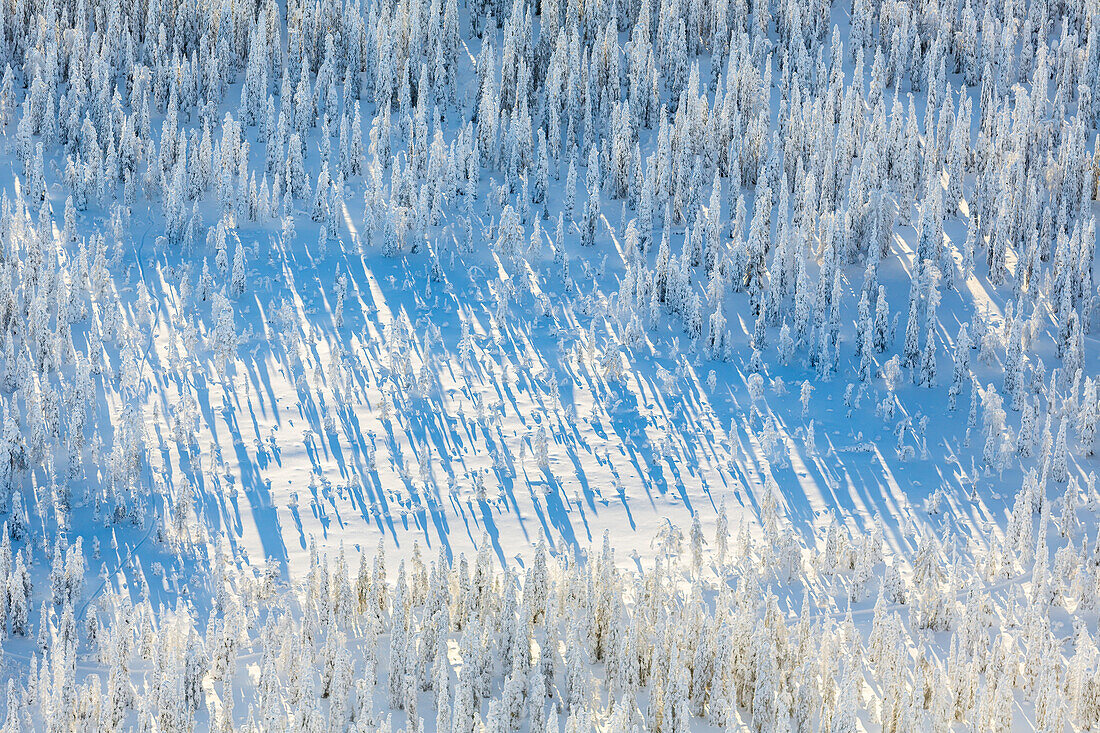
[[403, 397]]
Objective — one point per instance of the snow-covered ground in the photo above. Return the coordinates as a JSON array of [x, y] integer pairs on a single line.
[[679, 365]]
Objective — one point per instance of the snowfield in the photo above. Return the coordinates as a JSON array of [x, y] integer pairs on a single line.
[[633, 365]]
